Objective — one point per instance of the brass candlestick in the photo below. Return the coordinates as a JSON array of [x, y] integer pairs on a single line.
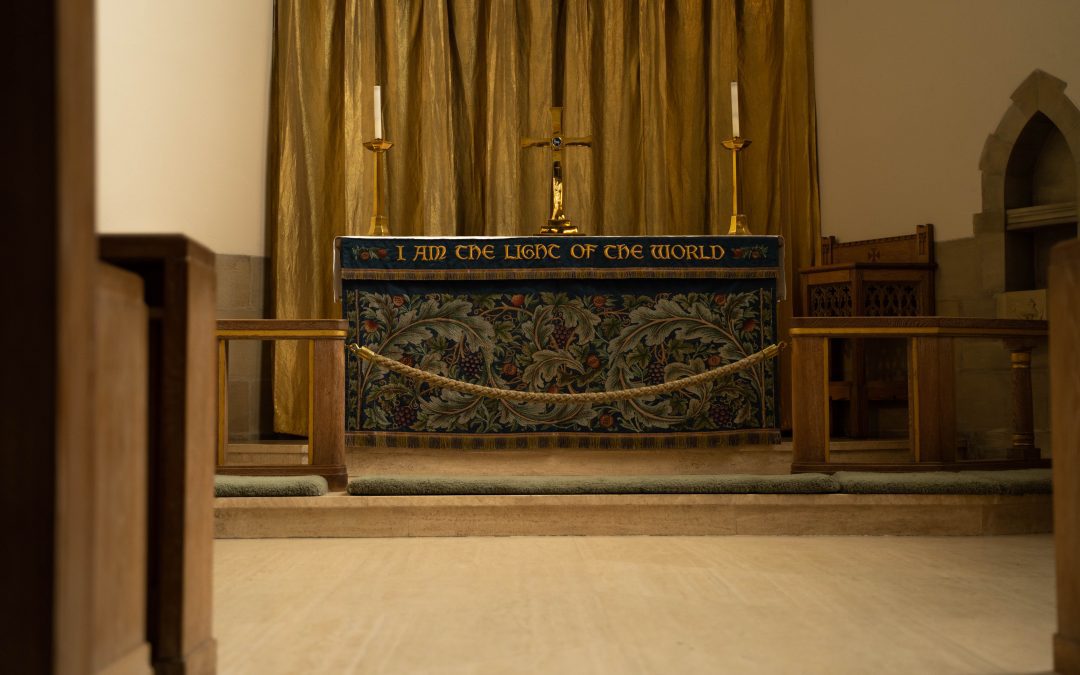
[[380, 224], [738, 220]]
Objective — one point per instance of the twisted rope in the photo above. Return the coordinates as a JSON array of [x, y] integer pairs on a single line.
[[544, 397]]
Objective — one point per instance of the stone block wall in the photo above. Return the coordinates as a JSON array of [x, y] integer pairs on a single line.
[[244, 293], [971, 283]]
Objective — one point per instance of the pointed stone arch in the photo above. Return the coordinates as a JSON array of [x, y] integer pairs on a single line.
[[1039, 94], [1040, 100]]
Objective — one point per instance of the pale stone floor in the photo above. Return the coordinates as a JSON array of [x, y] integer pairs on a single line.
[[635, 605]]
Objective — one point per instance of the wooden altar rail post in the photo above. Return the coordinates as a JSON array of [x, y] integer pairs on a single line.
[[1065, 435], [326, 394], [931, 388]]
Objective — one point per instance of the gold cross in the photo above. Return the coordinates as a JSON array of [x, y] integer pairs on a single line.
[[558, 223]]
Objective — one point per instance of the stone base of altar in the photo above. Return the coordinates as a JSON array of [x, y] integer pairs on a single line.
[[338, 515], [746, 459]]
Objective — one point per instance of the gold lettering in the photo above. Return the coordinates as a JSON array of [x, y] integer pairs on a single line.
[[429, 253], [622, 251], [474, 252], [531, 252], [579, 251]]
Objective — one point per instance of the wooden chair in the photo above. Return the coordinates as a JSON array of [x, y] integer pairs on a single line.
[[874, 277]]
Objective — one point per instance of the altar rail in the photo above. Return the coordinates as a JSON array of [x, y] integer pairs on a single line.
[[326, 394], [931, 388]]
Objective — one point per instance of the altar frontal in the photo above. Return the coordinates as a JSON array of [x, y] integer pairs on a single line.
[[560, 315]]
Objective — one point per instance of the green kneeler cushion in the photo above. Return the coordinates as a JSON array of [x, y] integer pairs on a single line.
[[269, 486], [1007, 482], [805, 483]]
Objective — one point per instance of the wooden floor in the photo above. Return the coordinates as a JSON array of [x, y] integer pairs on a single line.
[[635, 605]]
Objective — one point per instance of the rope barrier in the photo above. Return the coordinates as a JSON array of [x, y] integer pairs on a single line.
[[584, 397]]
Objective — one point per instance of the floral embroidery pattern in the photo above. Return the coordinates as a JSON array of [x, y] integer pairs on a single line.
[[560, 342]]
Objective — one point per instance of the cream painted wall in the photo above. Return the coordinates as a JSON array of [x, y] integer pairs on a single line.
[[908, 91], [182, 100]]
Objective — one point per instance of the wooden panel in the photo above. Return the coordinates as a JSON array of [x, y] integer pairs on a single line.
[[46, 295], [178, 275], [932, 398], [810, 403], [915, 248], [118, 600], [1065, 442], [328, 412]]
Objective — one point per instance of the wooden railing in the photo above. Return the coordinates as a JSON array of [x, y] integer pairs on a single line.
[[931, 387], [326, 394]]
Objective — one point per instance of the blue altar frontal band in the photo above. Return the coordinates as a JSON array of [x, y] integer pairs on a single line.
[[561, 315]]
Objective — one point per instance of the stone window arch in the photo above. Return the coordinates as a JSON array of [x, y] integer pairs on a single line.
[[1030, 167]]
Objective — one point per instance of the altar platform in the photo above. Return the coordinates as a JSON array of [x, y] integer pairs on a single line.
[[828, 513]]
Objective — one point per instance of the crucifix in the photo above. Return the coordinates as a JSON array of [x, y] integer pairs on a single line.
[[558, 223]]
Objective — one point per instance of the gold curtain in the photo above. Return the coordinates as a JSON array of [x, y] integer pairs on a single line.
[[464, 80]]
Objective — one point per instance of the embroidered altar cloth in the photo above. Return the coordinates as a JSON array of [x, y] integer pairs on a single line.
[[560, 314]]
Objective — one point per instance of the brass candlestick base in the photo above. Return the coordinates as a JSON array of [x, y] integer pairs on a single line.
[[739, 222], [380, 224], [739, 225], [559, 227]]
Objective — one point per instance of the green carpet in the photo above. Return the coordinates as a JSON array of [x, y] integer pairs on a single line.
[[1011, 482], [806, 483], [269, 486], [1020, 481]]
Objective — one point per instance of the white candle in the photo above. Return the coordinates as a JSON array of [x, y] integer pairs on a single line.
[[735, 109], [378, 111]]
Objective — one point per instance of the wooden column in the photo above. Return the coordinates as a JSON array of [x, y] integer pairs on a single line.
[[810, 402], [328, 410], [1065, 443], [932, 399], [1023, 413], [178, 275]]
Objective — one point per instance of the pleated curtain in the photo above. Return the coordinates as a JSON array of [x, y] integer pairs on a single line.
[[464, 80]]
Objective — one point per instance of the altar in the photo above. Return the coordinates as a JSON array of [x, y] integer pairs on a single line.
[[560, 315]]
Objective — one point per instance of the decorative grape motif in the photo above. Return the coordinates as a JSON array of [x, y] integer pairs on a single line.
[[654, 374], [561, 333], [722, 415], [404, 415], [471, 364]]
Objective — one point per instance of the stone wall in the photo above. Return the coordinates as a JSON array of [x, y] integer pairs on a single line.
[[243, 293], [971, 283]]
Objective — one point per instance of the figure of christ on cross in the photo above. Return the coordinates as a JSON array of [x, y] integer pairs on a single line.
[[558, 223]]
